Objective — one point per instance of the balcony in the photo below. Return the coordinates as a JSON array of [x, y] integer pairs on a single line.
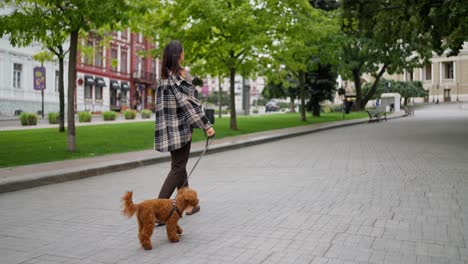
[[144, 77]]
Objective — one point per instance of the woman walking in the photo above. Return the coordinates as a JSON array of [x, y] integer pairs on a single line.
[[178, 111]]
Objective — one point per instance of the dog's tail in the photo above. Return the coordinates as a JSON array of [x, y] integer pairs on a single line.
[[128, 208]]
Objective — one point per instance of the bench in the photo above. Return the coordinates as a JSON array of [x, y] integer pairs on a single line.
[[409, 110], [376, 115]]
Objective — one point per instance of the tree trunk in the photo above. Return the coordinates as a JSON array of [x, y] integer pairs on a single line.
[[220, 96], [292, 107], [61, 96], [373, 88], [302, 94], [232, 76], [71, 90], [316, 109], [405, 102], [357, 87]]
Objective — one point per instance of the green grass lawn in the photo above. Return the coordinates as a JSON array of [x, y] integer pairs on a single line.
[[22, 147]]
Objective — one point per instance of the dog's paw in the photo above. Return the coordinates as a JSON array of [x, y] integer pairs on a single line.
[[174, 240], [147, 246], [180, 231]]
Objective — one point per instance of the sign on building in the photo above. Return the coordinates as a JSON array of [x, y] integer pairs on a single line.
[[39, 78]]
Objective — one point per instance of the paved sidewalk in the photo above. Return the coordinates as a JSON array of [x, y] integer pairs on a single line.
[[21, 177], [388, 192]]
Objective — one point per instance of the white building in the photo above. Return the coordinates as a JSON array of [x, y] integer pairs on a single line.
[[16, 80]]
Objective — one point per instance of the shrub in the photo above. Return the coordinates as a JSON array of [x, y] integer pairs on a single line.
[[130, 114], [326, 109], [84, 117], [53, 118], [283, 105], [145, 114], [223, 111], [28, 119], [109, 115], [255, 111]]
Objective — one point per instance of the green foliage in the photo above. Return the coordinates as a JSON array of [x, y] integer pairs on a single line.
[[283, 105], [260, 102], [321, 85], [145, 114], [220, 38], [53, 118], [395, 35], [43, 56], [223, 111], [84, 117], [109, 115], [28, 119], [405, 89], [130, 114], [213, 98], [304, 37]]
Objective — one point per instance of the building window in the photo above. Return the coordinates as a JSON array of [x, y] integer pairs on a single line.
[[124, 34], [143, 65], [123, 62], [17, 75], [99, 51], [114, 59], [89, 59], [140, 38], [98, 93], [448, 70], [428, 72], [57, 80], [153, 66], [409, 75], [88, 92]]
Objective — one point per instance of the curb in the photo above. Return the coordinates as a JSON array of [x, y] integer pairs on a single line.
[[26, 182]]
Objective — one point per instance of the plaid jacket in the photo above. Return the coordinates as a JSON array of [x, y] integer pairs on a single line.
[[178, 111]]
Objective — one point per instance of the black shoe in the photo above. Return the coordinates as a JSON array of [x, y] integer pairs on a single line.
[[194, 210]]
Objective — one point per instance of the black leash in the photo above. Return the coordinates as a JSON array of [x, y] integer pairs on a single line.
[[199, 158]]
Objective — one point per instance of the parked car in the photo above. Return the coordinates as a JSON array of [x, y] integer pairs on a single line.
[[271, 107]]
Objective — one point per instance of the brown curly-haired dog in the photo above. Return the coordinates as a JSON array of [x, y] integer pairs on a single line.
[[164, 210]]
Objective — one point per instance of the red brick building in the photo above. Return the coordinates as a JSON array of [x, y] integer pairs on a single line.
[[118, 75]]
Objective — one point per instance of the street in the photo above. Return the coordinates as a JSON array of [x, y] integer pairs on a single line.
[[387, 192]]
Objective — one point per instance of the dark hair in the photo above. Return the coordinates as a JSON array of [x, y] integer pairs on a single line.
[[171, 59]]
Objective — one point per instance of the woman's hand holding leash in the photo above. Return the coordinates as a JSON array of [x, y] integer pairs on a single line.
[[210, 132]]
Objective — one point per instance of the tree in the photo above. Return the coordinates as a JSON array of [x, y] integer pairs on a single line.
[[220, 38], [395, 35], [321, 81], [70, 16], [407, 89], [321, 86], [302, 33], [283, 89], [32, 23]]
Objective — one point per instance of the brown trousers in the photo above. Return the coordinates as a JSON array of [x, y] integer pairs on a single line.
[[178, 174]]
